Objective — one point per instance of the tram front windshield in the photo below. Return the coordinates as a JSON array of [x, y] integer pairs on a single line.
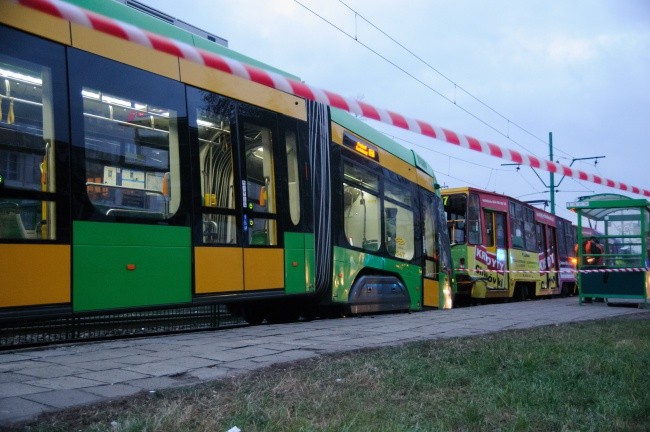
[[456, 209]]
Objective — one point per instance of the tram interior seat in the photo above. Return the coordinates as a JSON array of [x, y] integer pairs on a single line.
[[260, 238], [11, 226], [370, 245]]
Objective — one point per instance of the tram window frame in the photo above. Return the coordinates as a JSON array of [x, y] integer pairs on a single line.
[[561, 236], [456, 220], [88, 72], [490, 234], [260, 194], [34, 137], [399, 197], [474, 236], [517, 232], [551, 246], [530, 232], [566, 239], [430, 243], [212, 117], [540, 230], [293, 174], [360, 184]]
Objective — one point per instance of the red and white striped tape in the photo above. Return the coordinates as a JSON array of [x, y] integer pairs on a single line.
[[608, 270], [228, 65]]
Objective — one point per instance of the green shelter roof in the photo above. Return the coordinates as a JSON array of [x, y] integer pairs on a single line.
[[599, 206]]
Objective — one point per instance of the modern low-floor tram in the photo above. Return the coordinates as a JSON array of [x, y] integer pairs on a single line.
[[131, 179]]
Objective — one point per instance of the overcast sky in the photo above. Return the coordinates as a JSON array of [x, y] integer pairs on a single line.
[[579, 69]]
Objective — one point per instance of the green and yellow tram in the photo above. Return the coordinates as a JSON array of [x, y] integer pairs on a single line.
[[131, 178]]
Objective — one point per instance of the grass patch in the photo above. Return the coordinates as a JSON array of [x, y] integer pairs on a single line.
[[576, 377]]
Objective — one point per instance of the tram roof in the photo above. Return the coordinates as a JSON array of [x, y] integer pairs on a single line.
[[141, 19]]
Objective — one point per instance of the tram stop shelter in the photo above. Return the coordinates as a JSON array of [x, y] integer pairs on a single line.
[[619, 267]]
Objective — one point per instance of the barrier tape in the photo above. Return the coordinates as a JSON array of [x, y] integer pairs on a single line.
[[228, 65], [611, 270]]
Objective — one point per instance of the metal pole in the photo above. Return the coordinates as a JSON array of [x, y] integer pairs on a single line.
[[552, 181]]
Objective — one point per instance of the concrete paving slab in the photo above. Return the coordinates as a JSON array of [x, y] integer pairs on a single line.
[[223, 356], [18, 365], [11, 377], [113, 391], [210, 373], [192, 362], [64, 398], [15, 409], [64, 383], [113, 376], [295, 354], [158, 369], [19, 389], [138, 359], [98, 365], [49, 371], [154, 383], [12, 357], [253, 351]]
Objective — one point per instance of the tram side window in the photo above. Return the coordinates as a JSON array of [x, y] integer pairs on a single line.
[[489, 228], [219, 225], [132, 160], [361, 208], [293, 175], [500, 219], [27, 151], [456, 207], [530, 231], [539, 228], [430, 243], [260, 184], [561, 236], [398, 221], [516, 225], [566, 236], [474, 220], [551, 246]]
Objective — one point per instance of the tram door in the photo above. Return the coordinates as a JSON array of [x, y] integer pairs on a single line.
[[495, 245], [547, 250], [431, 285], [238, 245], [263, 259]]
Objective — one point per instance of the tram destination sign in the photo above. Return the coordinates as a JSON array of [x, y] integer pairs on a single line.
[[361, 147]]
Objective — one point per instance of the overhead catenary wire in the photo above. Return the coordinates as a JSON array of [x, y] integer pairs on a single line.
[[420, 81], [456, 85], [429, 149]]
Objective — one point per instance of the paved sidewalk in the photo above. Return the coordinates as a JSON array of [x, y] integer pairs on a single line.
[[34, 381]]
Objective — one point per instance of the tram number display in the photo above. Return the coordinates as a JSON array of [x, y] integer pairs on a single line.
[[361, 147]]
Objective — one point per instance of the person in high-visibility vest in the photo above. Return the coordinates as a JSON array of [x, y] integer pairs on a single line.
[[594, 248], [590, 248], [591, 252]]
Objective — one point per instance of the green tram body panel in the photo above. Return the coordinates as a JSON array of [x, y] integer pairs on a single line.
[[130, 265], [299, 263], [348, 263]]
